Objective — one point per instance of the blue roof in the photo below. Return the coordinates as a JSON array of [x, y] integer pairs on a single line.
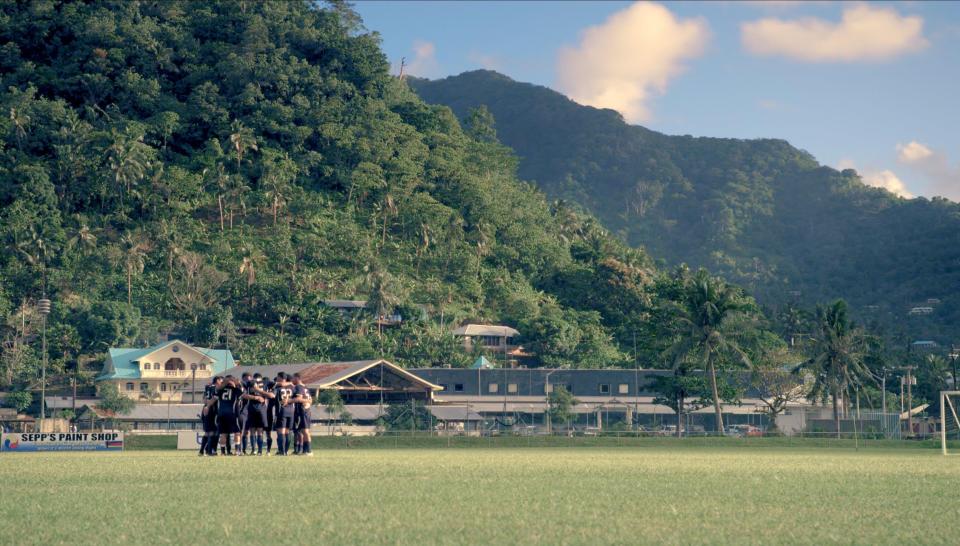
[[481, 362], [123, 359]]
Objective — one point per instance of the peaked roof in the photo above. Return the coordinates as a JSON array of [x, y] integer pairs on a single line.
[[120, 363], [322, 375], [481, 362], [485, 330]]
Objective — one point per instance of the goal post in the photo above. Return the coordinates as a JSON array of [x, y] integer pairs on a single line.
[[949, 420]]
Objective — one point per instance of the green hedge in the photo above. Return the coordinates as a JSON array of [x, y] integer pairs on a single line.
[[143, 442]]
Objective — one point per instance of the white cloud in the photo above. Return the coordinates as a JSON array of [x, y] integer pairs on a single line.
[[887, 180], [424, 62], [489, 62], [864, 33], [635, 53], [934, 166], [846, 163], [769, 104], [913, 152]]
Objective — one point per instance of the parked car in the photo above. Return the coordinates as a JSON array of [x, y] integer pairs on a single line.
[[741, 431]]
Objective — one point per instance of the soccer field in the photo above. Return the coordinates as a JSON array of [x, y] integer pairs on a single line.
[[661, 494]]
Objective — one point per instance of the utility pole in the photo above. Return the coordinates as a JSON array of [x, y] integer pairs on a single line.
[[403, 64], [193, 385], [909, 401], [883, 391], [43, 307]]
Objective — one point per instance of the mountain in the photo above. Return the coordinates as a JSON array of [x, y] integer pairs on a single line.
[[214, 171], [761, 212]]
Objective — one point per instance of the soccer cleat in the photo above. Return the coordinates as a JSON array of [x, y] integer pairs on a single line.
[[308, 454]]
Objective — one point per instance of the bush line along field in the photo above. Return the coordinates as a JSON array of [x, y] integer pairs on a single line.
[[689, 494]]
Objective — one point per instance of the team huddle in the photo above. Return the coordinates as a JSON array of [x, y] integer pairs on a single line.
[[241, 414]]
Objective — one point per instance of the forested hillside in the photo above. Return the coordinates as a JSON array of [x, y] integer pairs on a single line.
[[760, 212], [213, 171]]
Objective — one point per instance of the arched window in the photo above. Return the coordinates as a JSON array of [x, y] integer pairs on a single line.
[[163, 387], [156, 366], [203, 366], [145, 365], [129, 386], [143, 387]]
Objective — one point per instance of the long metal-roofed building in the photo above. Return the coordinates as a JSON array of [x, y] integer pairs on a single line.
[[605, 396]]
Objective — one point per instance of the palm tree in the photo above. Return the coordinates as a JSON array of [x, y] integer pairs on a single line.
[[20, 122], [220, 181], [82, 238], [426, 239], [837, 360], [704, 315], [384, 294], [135, 247], [389, 208], [128, 158], [242, 139], [277, 193]]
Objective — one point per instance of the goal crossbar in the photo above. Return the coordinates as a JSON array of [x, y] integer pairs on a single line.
[[946, 402]]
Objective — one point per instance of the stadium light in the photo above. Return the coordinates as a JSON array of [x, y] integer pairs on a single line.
[[43, 308]]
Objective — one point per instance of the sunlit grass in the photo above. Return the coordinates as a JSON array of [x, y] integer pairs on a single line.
[[661, 494]]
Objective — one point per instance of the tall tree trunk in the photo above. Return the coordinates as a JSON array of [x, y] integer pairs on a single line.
[[715, 393], [220, 204], [129, 288], [836, 413]]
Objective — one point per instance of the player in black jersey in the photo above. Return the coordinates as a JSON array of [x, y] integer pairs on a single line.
[[269, 386], [301, 431], [283, 393], [242, 439], [228, 397], [256, 398], [208, 416]]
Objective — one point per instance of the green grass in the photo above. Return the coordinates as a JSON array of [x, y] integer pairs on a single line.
[[667, 492]]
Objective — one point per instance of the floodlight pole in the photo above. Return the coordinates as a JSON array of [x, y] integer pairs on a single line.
[[43, 307], [943, 423]]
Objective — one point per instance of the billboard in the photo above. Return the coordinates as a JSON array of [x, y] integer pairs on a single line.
[[62, 441]]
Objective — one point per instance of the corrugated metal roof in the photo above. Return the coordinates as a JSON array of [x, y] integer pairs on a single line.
[[485, 330], [319, 375], [346, 304]]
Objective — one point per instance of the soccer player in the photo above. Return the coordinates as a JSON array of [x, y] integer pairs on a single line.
[[283, 393], [303, 400], [242, 413], [227, 410], [256, 397], [208, 416], [271, 412]]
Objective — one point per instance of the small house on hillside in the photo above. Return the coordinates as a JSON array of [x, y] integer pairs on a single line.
[[921, 310], [486, 336], [353, 308]]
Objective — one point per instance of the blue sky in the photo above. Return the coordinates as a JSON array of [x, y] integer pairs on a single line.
[[868, 85]]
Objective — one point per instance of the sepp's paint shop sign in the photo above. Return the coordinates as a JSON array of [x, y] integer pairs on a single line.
[[62, 441]]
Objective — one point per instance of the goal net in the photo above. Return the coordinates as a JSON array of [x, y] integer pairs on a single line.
[[949, 420]]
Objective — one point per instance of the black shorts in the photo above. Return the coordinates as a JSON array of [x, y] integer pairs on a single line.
[[283, 421], [227, 424], [242, 419], [302, 422], [209, 422], [271, 417], [256, 418]]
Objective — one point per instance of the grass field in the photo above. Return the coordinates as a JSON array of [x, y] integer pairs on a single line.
[[659, 493]]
